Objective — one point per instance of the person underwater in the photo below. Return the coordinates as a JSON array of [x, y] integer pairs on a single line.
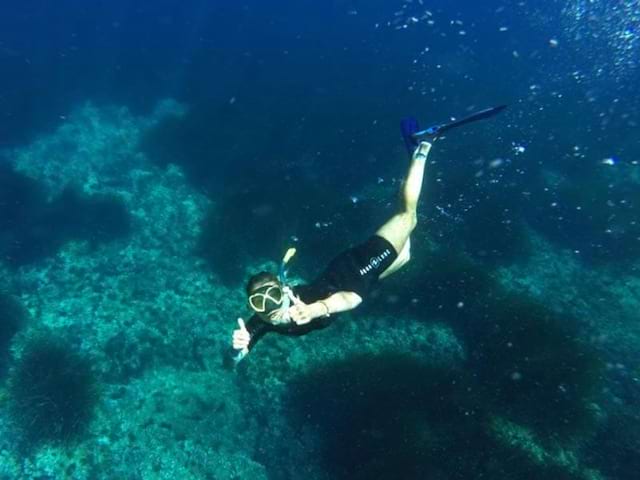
[[351, 276]]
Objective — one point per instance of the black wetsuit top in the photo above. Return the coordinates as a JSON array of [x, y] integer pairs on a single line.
[[355, 270]]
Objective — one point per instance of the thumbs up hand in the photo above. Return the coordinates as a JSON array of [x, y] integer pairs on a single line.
[[241, 337]]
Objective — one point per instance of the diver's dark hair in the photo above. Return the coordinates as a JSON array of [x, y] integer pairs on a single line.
[[259, 279]]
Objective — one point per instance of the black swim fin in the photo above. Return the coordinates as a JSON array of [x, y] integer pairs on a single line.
[[437, 130]]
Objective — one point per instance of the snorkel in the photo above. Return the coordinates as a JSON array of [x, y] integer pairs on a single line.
[[282, 271], [281, 314], [272, 298]]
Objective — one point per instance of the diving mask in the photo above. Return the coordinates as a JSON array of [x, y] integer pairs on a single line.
[[266, 298], [272, 298]]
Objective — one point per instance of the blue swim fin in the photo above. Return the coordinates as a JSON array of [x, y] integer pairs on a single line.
[[409, 126]]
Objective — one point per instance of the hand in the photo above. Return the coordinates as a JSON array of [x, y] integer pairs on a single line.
[[300, 313], [241, 337]]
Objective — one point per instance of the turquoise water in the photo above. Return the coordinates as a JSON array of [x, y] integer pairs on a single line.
[[154, 156]]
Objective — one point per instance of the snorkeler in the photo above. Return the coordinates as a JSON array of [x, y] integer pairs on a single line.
[[349, 277]]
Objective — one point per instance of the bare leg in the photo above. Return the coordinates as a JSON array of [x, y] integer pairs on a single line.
[[398, 229]]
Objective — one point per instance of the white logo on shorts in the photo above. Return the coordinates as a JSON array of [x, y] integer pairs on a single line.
[[375, 262]]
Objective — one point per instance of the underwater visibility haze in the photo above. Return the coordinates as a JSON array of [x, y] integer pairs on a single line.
[[154, 156]]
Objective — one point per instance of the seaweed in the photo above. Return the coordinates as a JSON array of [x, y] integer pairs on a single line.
[[52, 392]]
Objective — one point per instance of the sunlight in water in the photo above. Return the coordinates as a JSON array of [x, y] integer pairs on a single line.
[[607, 33]]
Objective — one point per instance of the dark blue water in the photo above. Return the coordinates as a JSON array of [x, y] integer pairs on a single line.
[[153, 155]]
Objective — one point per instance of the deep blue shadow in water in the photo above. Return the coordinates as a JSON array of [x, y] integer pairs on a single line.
[[13, 318], [615, 450], [33, 227], [389, 416], [269, 214], [528, 362]]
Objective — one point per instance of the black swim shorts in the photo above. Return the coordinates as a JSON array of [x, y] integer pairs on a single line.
[[358, 268]]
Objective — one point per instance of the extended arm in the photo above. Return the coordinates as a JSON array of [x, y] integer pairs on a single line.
[[302, 313]]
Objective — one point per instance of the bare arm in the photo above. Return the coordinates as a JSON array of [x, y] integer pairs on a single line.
[[338, 302], [302, 313]]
